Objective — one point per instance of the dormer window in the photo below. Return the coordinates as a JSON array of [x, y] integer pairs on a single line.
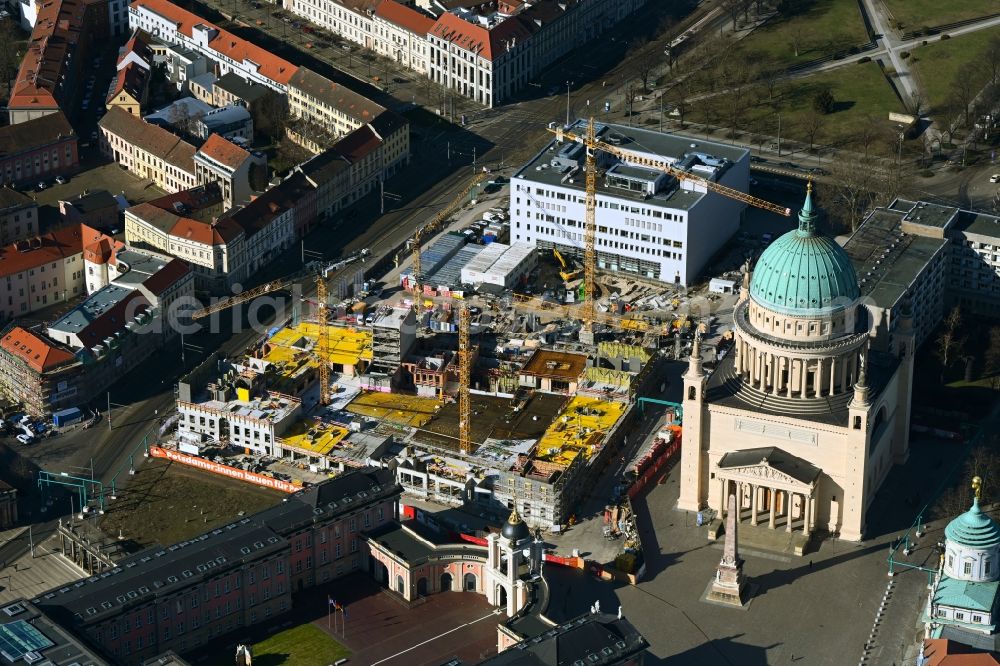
[[967, 569], [987, 567]]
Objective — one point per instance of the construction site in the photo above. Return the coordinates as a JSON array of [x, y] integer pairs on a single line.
[[486, 373]]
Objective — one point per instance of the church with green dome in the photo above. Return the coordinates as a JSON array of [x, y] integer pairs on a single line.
[[803, 420]]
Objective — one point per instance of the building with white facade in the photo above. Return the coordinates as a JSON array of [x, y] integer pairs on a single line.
[[147, 150], [223, 248], [38, 272], [174, 25], [234, 415], [648, 223], [486, 52], [400, 32]]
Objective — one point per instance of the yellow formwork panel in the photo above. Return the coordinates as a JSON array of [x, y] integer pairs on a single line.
[[407, 410], [578, 430], [315, 437], [344, 345]]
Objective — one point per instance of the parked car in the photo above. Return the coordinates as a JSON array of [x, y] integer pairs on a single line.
[[24, 439], [41, 185], [62, 180], [995, 178]]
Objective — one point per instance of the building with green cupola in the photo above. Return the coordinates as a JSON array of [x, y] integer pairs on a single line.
[[804, 420], [962, 604]]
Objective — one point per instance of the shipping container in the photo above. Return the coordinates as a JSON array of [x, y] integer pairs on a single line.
[[67, 417]]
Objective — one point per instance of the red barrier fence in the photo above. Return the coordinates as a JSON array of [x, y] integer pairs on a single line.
[[224, 470], [653, 469]]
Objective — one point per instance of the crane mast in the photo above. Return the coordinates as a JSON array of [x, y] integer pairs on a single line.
[[323, 341], [590, 231], [435, 224], [464, 375]]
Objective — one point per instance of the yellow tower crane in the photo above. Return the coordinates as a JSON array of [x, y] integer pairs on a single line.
[[322, 343], [592, 145], [464, 381], [435, 224]]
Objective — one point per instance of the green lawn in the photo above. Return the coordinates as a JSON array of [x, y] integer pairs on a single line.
[[915, 14], [862, 96], [938, 64], [304, 645], [824, 26]]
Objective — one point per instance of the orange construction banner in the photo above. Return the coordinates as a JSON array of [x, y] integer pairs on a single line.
[[224, 470]]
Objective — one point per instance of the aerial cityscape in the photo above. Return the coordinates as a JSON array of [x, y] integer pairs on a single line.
[[499, 332]]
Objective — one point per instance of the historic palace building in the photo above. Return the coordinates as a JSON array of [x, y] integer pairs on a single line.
[[804, 421]]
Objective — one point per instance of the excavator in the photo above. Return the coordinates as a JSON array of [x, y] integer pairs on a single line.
[[566, 272]]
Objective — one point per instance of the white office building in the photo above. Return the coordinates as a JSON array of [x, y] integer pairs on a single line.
[[648, 223]]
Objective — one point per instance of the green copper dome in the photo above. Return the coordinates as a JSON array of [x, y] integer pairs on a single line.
[[973, 529], [803, 272]]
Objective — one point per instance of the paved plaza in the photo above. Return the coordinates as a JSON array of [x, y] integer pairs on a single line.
[[380, 630], [818, 609], [29, 576]]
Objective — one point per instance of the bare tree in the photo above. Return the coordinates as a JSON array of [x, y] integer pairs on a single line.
[[850, 191], [991, 358], [812, 124], [963, 90], [949, 344], [678, 98], [644, 64], [953, 501], [8, 51], [179, 117], [769, 77], [733, 7], [737, 80], [796, 34], [271, 116], [991, 59], [867, 133]]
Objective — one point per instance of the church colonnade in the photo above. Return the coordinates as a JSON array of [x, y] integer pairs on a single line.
[[769, 504]]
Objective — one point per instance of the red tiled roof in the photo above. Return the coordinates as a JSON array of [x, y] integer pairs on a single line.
[[404, 17], [358, 143], [486, 43], [161, 214], [47, 57], [225, 42], [224, 151], [99, 252], [26, 254], [166, 277], [113, 319], [33, 350], [944, 652]]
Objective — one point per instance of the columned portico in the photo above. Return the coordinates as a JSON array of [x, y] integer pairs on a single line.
[[769, 482]]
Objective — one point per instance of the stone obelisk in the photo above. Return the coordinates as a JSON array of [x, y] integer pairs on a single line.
[[729, 582]]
